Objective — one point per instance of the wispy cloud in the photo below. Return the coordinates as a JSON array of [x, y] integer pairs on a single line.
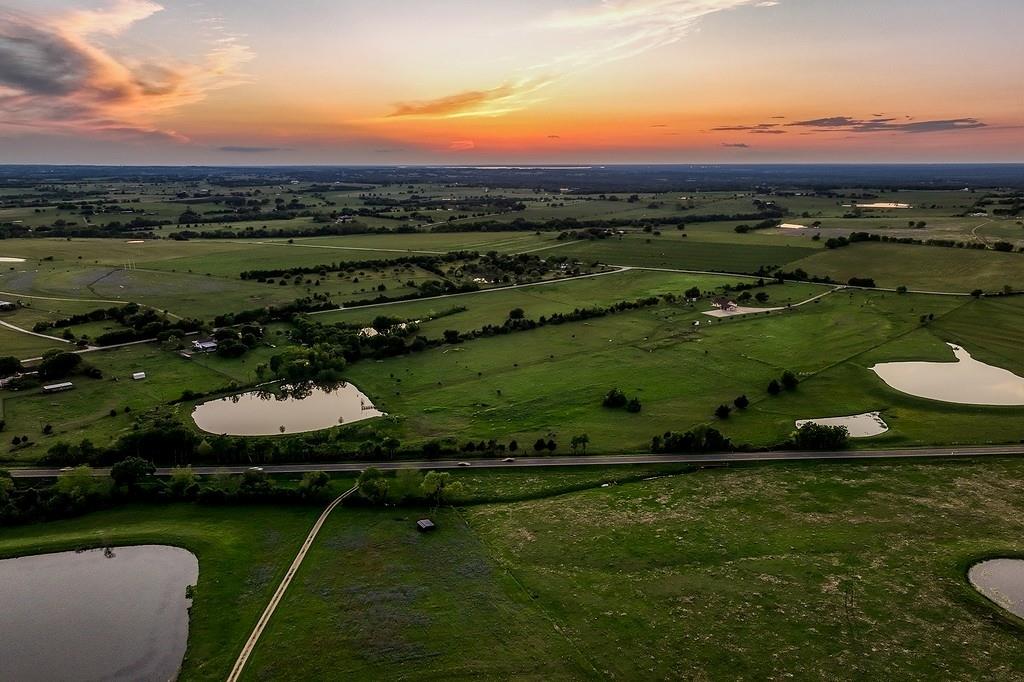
[[236, 149], [875, 125], [59, 72], [608, 31], [736, 145], [849, 124]]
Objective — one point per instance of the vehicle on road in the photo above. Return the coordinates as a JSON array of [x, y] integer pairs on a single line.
[[463, 464]]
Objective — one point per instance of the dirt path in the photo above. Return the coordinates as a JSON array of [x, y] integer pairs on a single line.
[[261, 624]]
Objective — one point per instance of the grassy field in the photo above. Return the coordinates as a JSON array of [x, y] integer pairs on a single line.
[[818, 571], [528, 385], [919, 267], [493, 307]]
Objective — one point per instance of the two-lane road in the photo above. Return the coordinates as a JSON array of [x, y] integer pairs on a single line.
[[587, 460]]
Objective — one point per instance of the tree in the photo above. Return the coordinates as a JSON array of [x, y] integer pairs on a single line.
[[513, 445], [204, 449], [723, 411], [615, 398], [539, 445], [391, 444], [58, 364], [516, 314], [130, 471], [774, 387], [406, 485], [9, 365], [789, 381], [372, 485], [633, 405], [438, 487], [762, 297], [313, 482], [184, 482], [692, 293], [79, 485], [580, 442], [451, 336], [741, 402], [551, 445]]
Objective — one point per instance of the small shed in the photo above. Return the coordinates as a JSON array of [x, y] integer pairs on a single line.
[[425, 525], [139, 376], [204, 346]]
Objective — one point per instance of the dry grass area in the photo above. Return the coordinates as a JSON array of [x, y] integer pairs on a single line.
[[845, 571]]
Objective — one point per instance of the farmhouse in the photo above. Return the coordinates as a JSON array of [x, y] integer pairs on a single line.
[[425, 525], [206, 346]]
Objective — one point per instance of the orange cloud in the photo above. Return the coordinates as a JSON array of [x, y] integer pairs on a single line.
[[55, 74]]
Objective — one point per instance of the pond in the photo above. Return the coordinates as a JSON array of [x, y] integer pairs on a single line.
[[1002, 581], [115, 614], [966, 381], [859, 425], [262, 413], [7, 259]]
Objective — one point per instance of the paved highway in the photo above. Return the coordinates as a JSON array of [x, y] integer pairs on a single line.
[[587, 460]]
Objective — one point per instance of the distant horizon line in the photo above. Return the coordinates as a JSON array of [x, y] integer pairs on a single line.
[[521, 166]]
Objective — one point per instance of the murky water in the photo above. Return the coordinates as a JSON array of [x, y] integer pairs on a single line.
[[859, 425], [7, 259], [118, 614], [259, 413], [966, 381], [1002, 581]]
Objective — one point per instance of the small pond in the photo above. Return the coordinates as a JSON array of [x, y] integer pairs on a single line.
[[1002, 581], [262, 413], [115, 614], [859, 425], [966, 381], [7, 259]]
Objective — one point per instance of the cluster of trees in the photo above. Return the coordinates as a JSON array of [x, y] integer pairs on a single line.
[[813, 436], [840, 242], [788, 381], [430, 263], [697, 440], [616, 399], [740, 402], [407, 487], [140, 323], [80, 490]]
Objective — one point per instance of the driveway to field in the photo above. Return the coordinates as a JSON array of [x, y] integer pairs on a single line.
[[588, 460], [32, 333], [261, 624], [619, 268]]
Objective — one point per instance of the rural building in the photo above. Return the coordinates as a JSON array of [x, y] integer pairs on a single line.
[[138, 376], [7, 305], [425, 525], [57, 388], [206, 346]]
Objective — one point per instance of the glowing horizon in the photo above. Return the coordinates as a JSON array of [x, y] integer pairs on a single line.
[[575, 81]]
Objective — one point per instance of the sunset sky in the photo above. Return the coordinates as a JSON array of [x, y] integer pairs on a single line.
[[524, 81]]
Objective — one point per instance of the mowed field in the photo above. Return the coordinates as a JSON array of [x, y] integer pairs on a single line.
[[813, 571], [919, 267]]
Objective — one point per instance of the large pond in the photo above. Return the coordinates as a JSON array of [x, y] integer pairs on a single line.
[[262, 413], [966, 381], [1002, 581], [119, 614]]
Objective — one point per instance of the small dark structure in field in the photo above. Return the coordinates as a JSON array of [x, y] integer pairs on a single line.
[[425, 525]]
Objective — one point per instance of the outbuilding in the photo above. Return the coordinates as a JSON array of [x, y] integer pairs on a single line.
[[207, 346], [139, 376], [57, 388], [425, 525], [7, 305]]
